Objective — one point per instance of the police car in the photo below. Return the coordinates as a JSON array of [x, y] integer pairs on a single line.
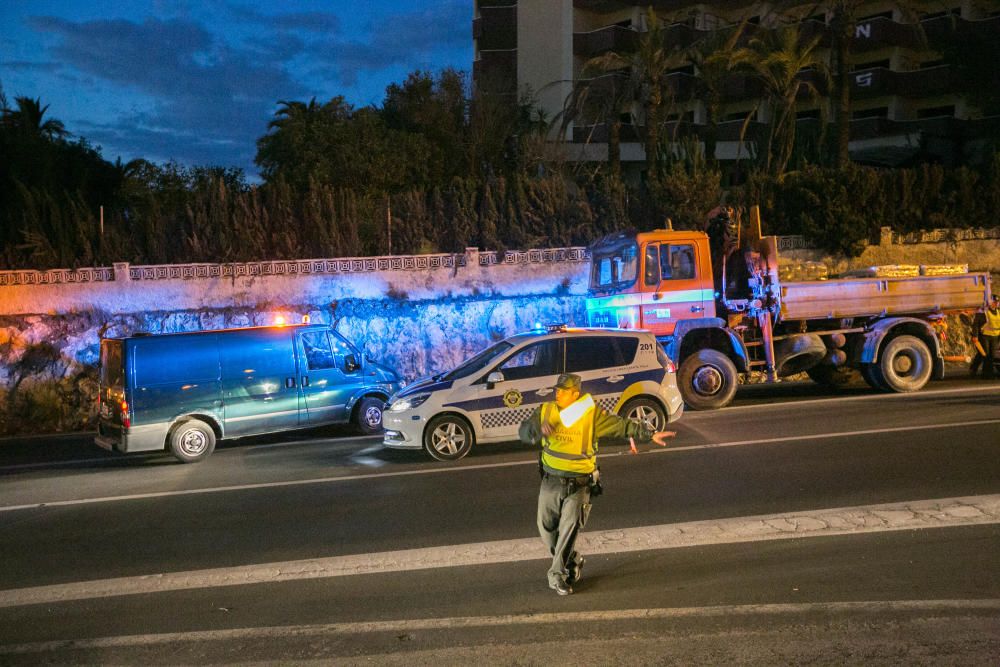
[[486, 398]]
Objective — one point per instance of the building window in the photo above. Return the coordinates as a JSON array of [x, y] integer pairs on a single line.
[[936, 112], [877, 112]]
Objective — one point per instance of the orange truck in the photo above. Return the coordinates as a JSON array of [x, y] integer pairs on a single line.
[[715, 302]]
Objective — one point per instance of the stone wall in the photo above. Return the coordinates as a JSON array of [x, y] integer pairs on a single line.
[[418, 314]]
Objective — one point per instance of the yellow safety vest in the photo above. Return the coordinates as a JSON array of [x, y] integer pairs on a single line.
[[992, 326], [569, 449]]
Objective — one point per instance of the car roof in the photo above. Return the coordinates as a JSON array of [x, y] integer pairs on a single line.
[[203, 332], [574, 331]]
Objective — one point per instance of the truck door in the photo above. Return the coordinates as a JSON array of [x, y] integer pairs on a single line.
[[330, 378], [674, 290]]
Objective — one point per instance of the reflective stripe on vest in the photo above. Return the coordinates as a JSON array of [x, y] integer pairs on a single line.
[[569, 449], [992, 326]]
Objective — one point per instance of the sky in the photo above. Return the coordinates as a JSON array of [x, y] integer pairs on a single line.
[[196, 81]]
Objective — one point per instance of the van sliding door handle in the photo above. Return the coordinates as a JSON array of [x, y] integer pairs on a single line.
[[697, 309], [290, 383]]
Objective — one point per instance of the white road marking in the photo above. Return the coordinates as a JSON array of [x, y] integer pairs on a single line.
[[569, 619], [463, 468], [986, 388], [915, 515]]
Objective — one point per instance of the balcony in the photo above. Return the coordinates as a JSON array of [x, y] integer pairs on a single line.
[[613, 38], [880, 81], [496, 71], [495, 29]]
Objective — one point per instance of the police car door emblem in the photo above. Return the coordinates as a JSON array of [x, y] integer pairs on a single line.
[[512, 398]]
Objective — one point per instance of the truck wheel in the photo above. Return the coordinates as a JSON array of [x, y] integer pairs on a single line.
[[830, 376], [645, 411], [448, 438], [192, 441], [873, 377], [368, 415], [905, 364], [707, 380]]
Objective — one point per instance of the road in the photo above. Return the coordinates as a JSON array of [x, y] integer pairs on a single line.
[[794, 526]]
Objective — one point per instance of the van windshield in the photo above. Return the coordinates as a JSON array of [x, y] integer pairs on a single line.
[[112, 366], [478, 362]]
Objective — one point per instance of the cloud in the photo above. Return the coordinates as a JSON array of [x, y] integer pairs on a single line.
[[204, 94], [296, 21], [408, 40]]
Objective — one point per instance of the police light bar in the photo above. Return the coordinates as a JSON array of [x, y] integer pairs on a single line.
[[572, 414], [553, 328]]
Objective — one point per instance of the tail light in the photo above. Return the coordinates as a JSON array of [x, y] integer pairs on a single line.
[[126, 422]]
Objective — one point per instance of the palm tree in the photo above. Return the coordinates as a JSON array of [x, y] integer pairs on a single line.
[[644, 78], [778, 60], [712, 57], [604, 99], [28, 118]]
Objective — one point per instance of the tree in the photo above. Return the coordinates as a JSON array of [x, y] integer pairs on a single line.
[[713, 59], [644, 78], [28, 117], [778, 60]]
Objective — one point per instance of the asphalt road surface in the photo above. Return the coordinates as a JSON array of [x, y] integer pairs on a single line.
[[797, 526]]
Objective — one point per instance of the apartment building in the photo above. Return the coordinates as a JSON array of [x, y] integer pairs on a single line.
[[907, 104]]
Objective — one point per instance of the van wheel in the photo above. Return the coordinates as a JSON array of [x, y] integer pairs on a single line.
[[645, 412], [707, 380], [448, 438], [368, 415], [192, 441], [905, 364]]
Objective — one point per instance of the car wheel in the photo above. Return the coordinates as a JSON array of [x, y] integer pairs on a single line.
[[448, 438], [368, 415], [192, 441], [905, 364], [646, 412], [707, 380]]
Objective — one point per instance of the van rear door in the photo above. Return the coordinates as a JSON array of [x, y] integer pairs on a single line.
[[111, 398]]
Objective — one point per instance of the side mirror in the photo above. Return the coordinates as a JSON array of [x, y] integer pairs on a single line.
[[493, 378], [351, 363]]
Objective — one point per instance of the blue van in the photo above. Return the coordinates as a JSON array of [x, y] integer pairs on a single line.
[[184, 391]]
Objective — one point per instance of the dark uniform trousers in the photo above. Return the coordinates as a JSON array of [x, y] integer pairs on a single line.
[[563, 508]]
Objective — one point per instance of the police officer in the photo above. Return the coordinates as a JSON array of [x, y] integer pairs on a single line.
[[990, 336], [568, 431]]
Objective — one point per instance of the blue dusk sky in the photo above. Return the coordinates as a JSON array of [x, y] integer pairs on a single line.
[[196, 81]]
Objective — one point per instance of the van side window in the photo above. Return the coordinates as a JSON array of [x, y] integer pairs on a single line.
[[316, 345], [533, 361]]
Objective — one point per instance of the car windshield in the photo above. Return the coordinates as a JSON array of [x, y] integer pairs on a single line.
[[614, 267], [478, 362]]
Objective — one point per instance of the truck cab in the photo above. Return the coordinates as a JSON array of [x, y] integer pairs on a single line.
[[652, 281]]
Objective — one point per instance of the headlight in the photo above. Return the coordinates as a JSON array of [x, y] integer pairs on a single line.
[[408, 403]]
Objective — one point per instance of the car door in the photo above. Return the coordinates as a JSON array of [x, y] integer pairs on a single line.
[[672, 269], [529, 373], [601, 363], [330, 378]]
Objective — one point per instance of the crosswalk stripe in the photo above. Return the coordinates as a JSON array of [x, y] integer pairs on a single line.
[[914, 515]]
